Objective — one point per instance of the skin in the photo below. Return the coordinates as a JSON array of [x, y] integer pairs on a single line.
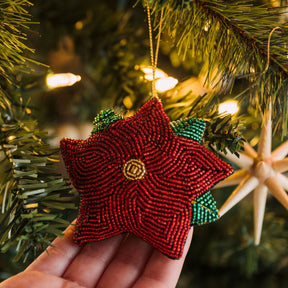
[[119, 261]]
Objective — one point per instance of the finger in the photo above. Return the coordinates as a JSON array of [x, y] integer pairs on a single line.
[[91, 262], [162, 271], [58, 256], [37, 279], [127, 265]]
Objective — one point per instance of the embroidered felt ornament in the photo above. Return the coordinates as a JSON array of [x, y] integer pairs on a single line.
[[144, 175]]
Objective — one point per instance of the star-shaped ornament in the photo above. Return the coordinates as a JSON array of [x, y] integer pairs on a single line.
[[144, 175], [261, 172]]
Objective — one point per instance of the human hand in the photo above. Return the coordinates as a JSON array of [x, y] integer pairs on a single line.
[[115, 262]]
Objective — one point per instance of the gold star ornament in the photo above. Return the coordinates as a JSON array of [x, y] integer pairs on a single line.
[[260, 173]]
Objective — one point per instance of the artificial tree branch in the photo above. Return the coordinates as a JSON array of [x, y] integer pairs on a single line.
[[32, 195], [232, 43]]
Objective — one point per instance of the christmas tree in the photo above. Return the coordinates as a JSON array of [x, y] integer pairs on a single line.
[[97, 56]]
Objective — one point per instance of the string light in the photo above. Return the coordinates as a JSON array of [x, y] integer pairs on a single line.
[[61, 80], [165, 84], [163, 81], [230, 107], [159, 74], [79, 25], [207, 26], [128, 102]]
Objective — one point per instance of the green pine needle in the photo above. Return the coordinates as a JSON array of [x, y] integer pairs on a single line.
[[222, 131], [32, 196], [232, 42]]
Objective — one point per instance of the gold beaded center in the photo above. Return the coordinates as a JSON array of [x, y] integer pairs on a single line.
[[134, 169]]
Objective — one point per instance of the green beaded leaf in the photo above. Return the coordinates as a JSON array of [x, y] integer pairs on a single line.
[[189, 128], [204, 209], [103, 120]]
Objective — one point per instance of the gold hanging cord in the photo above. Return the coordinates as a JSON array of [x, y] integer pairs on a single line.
[[268, 49], [154, 59], [258, 74]]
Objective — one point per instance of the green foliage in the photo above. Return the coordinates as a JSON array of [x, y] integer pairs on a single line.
[[232, 42], [31, 193], [14, 19], [222, 130], [109, 45]]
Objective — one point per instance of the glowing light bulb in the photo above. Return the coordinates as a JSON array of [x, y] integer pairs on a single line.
[[165, 84], [207, 26], [61, 80], [149, 73], [128, 102], [79, 25], [230, 107]]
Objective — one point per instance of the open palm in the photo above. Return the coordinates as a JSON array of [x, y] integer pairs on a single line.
[[120, 262]]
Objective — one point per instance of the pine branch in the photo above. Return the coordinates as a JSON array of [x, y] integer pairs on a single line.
[[14, 18], [222, 130], [32, 195], [232, 42]]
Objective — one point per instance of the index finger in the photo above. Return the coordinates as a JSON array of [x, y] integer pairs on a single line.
[[58, 256]]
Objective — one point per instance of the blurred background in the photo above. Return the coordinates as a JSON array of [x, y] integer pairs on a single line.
[[95, 55]]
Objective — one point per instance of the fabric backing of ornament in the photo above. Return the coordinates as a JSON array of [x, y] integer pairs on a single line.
[[144, 175]]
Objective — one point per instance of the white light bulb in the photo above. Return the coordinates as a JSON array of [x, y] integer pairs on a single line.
[[230, 107], [206, 27], [148, 71], [165, 84], [61, 80]]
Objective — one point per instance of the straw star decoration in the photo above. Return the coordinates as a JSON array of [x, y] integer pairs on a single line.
[[261, 173], [144, 175]]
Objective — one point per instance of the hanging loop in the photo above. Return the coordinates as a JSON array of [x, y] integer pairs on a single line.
[[154, 58]]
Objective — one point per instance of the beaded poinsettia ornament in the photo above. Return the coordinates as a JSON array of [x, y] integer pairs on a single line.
[[144, 175]]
